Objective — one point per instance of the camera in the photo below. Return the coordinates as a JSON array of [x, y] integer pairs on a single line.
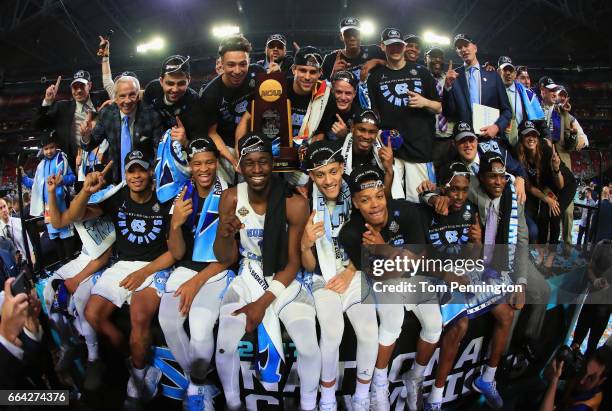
[[570, 142], [573, 361]]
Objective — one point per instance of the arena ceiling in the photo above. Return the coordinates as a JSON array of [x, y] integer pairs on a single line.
[[46, 37]]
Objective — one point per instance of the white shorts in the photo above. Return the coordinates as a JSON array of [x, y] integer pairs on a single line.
[[239, 292], [183, 274], [68, 270], [108, 285], [353, 294], [414, 175]]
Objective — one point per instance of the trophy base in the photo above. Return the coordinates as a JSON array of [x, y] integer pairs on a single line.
[[287, 161]]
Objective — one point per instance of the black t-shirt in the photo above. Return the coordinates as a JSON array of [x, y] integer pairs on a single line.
[[140, 228], [407, 223], [187, 109], [388, 92], [225, 106], [446, 231], [347, 117], [188, 238], [354, 63]]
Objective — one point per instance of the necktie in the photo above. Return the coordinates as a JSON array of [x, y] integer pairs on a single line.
[[490, 232], [474, 87], [474, 167], [126, 142], [86, 109], [441, 123], [7, 232]]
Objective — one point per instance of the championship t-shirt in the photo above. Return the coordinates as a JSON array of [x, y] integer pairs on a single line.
[[388, 91], [188, 109], [354, 64], [407, 223], [140, 228], [448, 232], [225, 106]]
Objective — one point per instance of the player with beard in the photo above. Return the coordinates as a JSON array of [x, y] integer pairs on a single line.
[[140, 274], [194, 288], [226, 98], [405, 96], [176, 102], [376, 220], [336, 284], [354, 57], [265, 289], [412, 51], [276, 55]]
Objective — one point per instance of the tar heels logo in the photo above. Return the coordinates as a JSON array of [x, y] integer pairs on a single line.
[[242, 106], [451, 236], [138, 226], [398, 95], [463, 127], [401, 88], [394, 34]]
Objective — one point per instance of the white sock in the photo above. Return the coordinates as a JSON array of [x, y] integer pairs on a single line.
[[417, 369], [362, 389], [92, 352], [193, 389], [139, 374], [436, 394], [489, 374], [328, 394], [380, 377]]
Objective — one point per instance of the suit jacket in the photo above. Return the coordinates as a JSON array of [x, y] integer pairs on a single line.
[[146, 134], [59, 117], [25, 373], [456, 104]]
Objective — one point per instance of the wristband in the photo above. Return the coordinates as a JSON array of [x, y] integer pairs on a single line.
[[276, 288], [105, 59]]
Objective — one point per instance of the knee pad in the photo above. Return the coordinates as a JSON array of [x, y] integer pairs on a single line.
[[430, 333], [388, 337]]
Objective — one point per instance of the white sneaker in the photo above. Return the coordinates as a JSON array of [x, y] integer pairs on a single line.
[[202, 401], [360, 404], [379, 397], [328, 406], [414, 391], [149, 386]]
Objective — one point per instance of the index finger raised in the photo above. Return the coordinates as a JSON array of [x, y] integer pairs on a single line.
[[57, 82], [107, 168]]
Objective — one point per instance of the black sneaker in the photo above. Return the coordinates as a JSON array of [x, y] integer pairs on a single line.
[[94, 372]]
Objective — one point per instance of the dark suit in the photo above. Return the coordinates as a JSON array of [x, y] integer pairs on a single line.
[[146, 134], [456, 104], [59, 116]]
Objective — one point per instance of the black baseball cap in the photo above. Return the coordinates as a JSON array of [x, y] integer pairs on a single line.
[[412, 38], [364, 177], [487, 161], [48, 138], [527, 127], [391, 35], [136, 157], [366, 115], [462, 37], [276, 37], [548, 82], [504, 61], [200, 145], [81, 76], [347, 76], [321, 153], [176, 64], [308, 56], [463, 130], [253, 143], [350, 23], [435, 50]]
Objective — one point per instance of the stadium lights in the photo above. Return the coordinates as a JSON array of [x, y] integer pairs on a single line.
[[433, 38], [367, 27], [225, 31], [156, 43]]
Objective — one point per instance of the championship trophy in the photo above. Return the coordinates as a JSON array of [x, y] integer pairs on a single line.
[[271, 116]]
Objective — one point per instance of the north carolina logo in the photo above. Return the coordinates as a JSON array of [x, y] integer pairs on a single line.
[[463, 127], [270, 90], [393, 33]]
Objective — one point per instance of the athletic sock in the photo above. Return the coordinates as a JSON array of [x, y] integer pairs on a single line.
[[436, 394], [362, 389], [380, 377], [328, 394], [139, 375], [489, 374], [417, 369], [92, 351], [194, 389]]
